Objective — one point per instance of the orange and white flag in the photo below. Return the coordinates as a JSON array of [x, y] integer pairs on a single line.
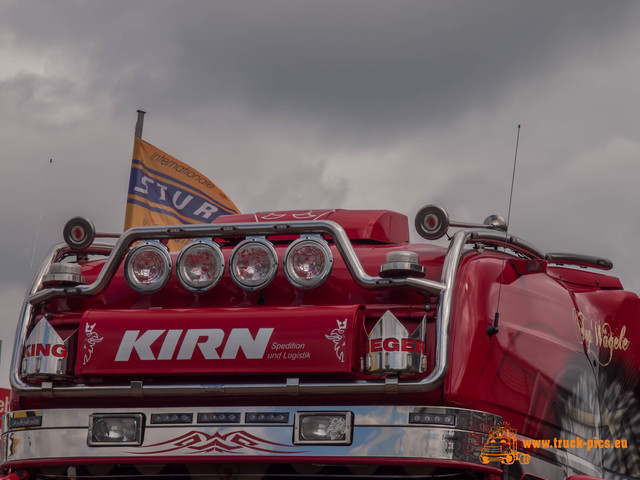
[[165, 191]]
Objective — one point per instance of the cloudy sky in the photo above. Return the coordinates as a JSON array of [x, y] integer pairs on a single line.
[[346, 103]]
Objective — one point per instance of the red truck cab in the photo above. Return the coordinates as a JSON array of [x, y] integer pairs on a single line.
[[323, 343]]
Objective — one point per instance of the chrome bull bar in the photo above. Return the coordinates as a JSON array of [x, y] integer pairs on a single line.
[[399, 434], [292, 386]]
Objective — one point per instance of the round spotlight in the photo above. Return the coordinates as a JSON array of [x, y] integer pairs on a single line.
[[308, 262], [253, 263], [200, 265], [79, 233], [147, 268], [432, 222]]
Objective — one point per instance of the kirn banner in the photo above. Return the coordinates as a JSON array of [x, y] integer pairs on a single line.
[[165, 191]]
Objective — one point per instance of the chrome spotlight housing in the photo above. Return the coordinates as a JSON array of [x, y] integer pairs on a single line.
[[147, 267], [308, 262], [200, 265], [253, 263]]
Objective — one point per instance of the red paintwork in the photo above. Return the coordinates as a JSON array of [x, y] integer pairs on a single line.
[[568, 342], [539, 353], [378, 225], [224, 341]]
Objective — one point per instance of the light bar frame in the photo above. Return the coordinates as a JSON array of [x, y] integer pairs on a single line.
[[327, 228]]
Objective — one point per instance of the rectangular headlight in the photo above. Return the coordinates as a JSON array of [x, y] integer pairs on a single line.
[[115, 429], [323, 428]]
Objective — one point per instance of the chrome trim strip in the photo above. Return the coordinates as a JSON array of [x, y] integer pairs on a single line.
[[378, 431], [343, 244], [386, 431]]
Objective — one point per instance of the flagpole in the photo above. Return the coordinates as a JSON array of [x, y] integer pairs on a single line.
[[128, 215], [139, 123]]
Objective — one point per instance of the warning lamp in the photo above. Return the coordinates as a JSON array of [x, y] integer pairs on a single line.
[[308, 262], [432, 222], [200, 265], [402, 263], [147, 268], [60, 273], [253, 263], [79, 233]]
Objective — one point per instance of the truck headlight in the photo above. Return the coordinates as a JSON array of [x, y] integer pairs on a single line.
[[200, 265], [147, 268], [308, 262], [253, 263], [321, 428], [115, 429]]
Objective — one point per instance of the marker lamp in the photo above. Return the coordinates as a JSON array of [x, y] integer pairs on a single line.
[[219, 417], [321, 428], [253, 263], [115, 429], [147, 268], [266, 417], [432, 222], [308, 262], [168, 418], [200, 265], [432, 419], [79, 233]]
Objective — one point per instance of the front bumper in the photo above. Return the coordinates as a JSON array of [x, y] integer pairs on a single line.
[[378, 434]]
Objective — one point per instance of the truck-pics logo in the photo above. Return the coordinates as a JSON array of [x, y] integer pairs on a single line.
[[502, 447]]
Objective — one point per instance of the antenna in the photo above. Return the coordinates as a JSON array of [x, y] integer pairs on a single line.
[[493, 329], [44, 192]]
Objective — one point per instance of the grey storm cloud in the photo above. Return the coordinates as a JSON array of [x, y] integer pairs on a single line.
[[361, 71], [324, 104]]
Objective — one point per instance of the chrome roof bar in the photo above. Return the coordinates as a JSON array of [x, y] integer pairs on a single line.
[[293, 385]]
